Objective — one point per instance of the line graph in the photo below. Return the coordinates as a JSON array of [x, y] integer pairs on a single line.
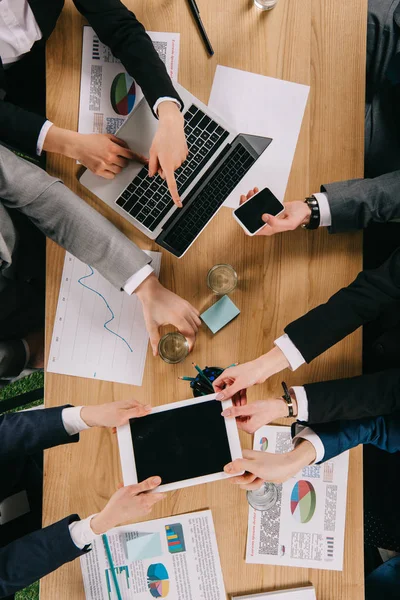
[[80, 281]]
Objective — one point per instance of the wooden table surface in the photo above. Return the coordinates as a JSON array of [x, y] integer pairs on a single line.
[[315, 42]]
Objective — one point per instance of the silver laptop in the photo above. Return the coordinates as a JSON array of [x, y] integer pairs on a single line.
[[218, 159]]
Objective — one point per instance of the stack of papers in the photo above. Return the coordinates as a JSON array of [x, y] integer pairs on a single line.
[[304, 593]]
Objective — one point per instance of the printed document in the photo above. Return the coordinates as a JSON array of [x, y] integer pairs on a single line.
[[300, 593]]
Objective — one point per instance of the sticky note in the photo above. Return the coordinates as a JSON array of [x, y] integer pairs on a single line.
[[220, 314], [145, 546]]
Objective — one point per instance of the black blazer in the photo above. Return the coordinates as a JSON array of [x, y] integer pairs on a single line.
[[116, 27], [26, 558]]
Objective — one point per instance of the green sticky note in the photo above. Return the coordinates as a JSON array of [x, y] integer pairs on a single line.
[[220, 314]]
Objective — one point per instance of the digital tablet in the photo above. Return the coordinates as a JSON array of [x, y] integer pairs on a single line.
[[185, 443]]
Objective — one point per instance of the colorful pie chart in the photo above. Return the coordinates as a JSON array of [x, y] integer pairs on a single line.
[[158, 580], [303, 501], [123, 94], [263, 444]]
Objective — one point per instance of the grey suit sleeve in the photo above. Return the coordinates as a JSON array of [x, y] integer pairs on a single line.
[[68, 220], [357, 202]]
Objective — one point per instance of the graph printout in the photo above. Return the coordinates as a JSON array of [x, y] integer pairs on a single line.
[[99, 331], [175, 558], [305, 528]]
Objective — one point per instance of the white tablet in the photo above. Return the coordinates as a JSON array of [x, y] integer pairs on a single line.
[[185, 443]]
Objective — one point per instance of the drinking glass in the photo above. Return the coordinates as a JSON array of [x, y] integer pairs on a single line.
[[222, 279], [265, 4]]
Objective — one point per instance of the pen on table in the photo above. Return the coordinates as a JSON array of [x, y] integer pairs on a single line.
[[196, 15], [204, 377], [186, 378], [112, 568]]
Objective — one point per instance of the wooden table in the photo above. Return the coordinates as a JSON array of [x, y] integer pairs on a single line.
[[315, 42]]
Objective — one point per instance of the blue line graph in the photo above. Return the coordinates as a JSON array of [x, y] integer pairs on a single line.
[[80, 281]]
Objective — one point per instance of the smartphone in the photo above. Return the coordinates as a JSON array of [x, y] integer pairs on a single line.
[[249, 214]]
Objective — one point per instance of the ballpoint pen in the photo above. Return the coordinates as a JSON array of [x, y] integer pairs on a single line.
[[196, 15], [203, 377]]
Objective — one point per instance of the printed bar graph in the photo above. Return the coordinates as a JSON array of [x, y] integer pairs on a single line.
[[175, 538]]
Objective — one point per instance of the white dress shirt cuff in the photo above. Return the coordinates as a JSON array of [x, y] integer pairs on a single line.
[[324, 210], [302, 402], [81, 532], [138, 278], [42, 136], [72, 421], [166, 99], [308, 434], [293, 356]]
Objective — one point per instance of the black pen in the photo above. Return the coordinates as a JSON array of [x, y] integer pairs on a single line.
[[196, 15]]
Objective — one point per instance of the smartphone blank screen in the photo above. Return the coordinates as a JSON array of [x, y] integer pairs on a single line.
[[250, 212], [181, 443]]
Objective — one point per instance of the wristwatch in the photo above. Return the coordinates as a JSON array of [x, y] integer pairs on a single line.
[[315, 216], [288, 399]]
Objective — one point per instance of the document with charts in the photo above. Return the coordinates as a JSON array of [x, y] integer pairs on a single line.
[[175, 558], [305, 528], [108, 94], [99, 331]]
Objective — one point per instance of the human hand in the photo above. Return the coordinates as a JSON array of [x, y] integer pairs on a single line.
[[243, 376], [35, 341], [113, 414], [129, 503], [163, 307], [252, 416], [266, 466], [169, 149], [295, 214]]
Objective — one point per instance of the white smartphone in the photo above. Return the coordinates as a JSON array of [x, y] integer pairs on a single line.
[[249, 214]]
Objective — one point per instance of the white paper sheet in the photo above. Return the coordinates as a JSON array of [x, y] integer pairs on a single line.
[[180, 561], [265, 106], [99, 331], [99, 109], [301, 593], [303, 529]]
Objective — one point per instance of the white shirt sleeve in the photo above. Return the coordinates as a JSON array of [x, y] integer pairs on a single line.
[[81, 532], [306, 433], [138, 278], [302, 402], [42, 136], [72, 420], [166, 99], [324, 210], [293, 356]]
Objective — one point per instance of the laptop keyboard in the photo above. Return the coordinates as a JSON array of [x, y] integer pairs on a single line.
[[208, 201], [148, 199]]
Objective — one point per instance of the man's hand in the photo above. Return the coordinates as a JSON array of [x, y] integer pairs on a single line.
[[169, 149], [252, 416], [295, 214], [162, 307], [129, 503], [35, 341], [265, 466], [113, 414]]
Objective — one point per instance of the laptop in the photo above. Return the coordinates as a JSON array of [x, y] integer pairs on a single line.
[[218, 159]]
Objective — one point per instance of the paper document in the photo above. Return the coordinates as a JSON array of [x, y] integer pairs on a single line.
[[99, 331], [306, 526], [175, 558], [301, 593], [108, 94], [265, 106]]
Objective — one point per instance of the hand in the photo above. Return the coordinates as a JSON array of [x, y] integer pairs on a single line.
[[241, 377], [129, 503], [265, 466], [252, 416], [113, 414], [162, 307], [295, 214], [169, 149], [35, 341]]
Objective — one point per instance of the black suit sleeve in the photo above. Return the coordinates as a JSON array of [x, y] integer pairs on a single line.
[[20, 128], [118, 28], [354, 398], [32, 431], [35, 555], [370, 294]]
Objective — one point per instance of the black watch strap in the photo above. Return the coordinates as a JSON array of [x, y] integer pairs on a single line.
[[315, 216], [288, 399]]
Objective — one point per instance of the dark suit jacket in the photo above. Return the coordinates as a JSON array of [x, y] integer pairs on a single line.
[[26, 558], [119, 29]]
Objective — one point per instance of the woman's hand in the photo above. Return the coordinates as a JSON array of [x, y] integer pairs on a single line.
[[113, 414], [251, 417]]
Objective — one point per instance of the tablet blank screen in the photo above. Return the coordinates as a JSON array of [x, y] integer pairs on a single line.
[[181, 443]]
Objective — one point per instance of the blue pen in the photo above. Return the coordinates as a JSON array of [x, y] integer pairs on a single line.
[[112, 568]]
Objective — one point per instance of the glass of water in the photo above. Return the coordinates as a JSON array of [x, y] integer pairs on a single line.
[[173, 348], [265, 4], [222, 279], [264, 498]]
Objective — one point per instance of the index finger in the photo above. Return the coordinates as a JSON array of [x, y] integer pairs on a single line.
[[173, 188]]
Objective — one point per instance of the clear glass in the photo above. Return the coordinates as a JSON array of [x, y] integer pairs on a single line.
[[173, 348], [222, 279], [265, 4], [264, 498]]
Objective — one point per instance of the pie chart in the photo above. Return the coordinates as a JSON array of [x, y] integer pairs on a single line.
[[158, 580], [123, 94], [303, 501], [263, 444]]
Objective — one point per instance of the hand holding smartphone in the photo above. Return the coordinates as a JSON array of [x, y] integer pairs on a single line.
[[249, 214]]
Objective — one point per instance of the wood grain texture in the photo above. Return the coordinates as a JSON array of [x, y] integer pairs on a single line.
[[315, 42]]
